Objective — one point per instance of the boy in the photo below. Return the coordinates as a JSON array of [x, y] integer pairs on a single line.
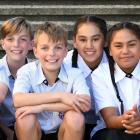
[[16, 40], [50, 84]]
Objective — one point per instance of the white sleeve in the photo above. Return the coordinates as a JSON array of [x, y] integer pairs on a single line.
[[79, 85], [104, 93], [22, 82], [3, 76]]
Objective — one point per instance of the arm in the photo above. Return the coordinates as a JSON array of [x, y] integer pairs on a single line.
[[132, 125], [3, 92], [55, 107]]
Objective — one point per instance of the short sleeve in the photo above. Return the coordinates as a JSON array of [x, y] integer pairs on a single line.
[[22, 82], [3, 76], [79, 84]]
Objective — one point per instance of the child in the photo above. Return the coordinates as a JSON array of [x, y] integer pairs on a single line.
[[44, 88], [16, 40], [89, 41], [117, 85]]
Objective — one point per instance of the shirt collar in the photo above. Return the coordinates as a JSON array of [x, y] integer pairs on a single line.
[[83, 66], [41, 77], [4, 62], [119, 74]]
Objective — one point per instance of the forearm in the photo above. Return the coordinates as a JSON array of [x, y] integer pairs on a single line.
[[56, 107], [3, 92], [111, 117], [31, 99]]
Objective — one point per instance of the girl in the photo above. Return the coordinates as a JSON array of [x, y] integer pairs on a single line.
[[89, 41], [117, 85]]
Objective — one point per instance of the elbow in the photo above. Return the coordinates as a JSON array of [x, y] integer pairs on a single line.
[[16, 101], [2, 98]]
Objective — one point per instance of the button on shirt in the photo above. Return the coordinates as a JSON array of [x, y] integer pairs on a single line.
[[90, 116], [30, 79], [105, 94]]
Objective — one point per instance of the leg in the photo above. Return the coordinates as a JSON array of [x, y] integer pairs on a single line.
[[28, 128], [72, 127]]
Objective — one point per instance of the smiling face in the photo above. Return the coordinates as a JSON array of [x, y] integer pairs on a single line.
[[125, 49], [89, 41], [50, 53], [16, 46]]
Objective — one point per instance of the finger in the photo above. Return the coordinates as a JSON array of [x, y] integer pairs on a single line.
[[128, 127]]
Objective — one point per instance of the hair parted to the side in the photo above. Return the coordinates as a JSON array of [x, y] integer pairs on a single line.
[[55, 32], [99, 22], [15, 25]]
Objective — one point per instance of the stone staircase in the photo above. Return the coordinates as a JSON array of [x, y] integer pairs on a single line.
[[65, 12]]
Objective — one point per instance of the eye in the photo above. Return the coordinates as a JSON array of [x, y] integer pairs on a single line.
[[24, 39], [95, 39], [82, 40], [9, 39], [59, 47], [132, 44]]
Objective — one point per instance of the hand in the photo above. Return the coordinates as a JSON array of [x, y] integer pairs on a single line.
[[132, 123], [23, 111], [78, 102]]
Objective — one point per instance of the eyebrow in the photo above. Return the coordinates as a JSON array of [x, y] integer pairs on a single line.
[[127, 42], [96, 35]]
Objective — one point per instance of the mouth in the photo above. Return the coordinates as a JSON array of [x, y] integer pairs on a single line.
[[52, 61], [16, 51], [90, 52]]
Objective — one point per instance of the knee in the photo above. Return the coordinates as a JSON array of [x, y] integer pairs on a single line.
[[74, 120], [26, 123]]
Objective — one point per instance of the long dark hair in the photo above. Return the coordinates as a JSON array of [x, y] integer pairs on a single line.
[[100, 23], [134, 28]]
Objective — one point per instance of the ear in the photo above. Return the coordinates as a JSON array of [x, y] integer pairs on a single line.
[[2, 44], [74, 42], [66, 51], [110, 53], [31, 45], [34, 49]]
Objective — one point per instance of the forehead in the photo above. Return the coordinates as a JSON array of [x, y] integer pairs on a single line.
[[43, 38], [123, 36], [88, 28]]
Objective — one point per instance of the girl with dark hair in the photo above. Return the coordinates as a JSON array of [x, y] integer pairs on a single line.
[[117, 85], [89, 40]]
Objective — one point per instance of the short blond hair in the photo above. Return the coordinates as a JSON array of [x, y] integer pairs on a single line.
[[16, 25], [55, 32]]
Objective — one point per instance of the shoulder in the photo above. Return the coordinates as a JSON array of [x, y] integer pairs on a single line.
[[68, 58], [72, 72], [29, 67]]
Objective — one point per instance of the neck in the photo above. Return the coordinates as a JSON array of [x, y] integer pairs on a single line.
[[14, 66], [51, 76]]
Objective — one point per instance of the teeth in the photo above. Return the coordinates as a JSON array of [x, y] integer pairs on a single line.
[[51, 61], [89, 53], [17, 52]]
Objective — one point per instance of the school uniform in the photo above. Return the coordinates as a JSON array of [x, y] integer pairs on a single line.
[[3, 76], [7, 113], [105, 94], [30, 79], [90, 117]]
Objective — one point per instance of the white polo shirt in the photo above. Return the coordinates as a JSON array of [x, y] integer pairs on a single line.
[[30, 79], [7, 113], [3, 76], [105, 94], [90, 116]]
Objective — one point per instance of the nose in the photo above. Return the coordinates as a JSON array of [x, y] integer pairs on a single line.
[[125, 49], [89, 44], [16, 43], [51, 52]]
